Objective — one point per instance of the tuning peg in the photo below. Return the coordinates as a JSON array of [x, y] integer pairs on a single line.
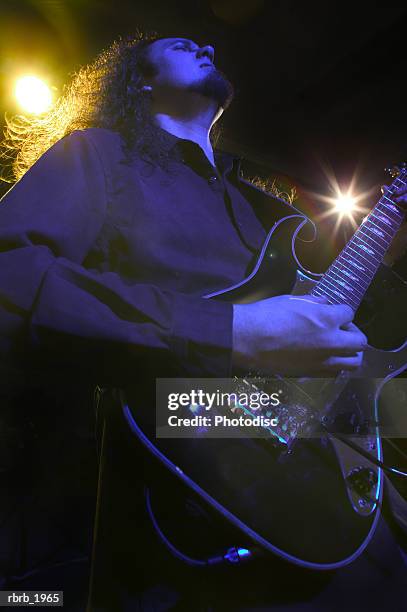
[[393, 171]]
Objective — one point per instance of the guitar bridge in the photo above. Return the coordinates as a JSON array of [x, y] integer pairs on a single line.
[[293, 416]]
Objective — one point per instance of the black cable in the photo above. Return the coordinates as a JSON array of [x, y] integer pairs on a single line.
[[233, 555]]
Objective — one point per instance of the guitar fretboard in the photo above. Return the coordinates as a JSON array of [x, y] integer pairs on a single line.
[[349, 276]]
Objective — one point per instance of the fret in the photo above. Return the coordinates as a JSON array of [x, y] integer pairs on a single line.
[[390, 204], [324, 294], [393, 208], [358, 254], [344, 299], [339, 298], [335, 295], [374, 221], [366, 246], [377, 232], [335, 290], [388, 235], [359, 232], [369, 251], [340, 272], [356, 265], [344, 271], [342, 282], [325, 280], [391, 221], [351, 276], [399, 179], [386, 198]]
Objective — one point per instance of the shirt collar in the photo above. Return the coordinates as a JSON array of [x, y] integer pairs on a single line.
[[190, 153]]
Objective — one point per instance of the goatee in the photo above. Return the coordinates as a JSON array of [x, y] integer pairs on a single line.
[[215, 86]]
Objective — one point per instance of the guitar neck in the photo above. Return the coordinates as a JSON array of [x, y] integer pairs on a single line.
[[349, 276]]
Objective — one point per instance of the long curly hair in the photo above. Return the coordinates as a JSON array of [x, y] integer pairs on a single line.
[[106, 93]]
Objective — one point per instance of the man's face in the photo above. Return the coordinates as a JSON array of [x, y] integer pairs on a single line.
[[182, 65]]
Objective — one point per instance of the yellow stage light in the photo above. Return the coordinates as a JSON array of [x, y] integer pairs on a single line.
[[33, 95]]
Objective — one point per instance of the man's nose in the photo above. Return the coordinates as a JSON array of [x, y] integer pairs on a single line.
[[206, 51]]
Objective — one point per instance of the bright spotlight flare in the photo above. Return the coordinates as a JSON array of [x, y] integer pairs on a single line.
[[33, 95], [345, 203]]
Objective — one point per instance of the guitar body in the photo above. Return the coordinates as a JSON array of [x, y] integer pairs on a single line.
[[315, 503]]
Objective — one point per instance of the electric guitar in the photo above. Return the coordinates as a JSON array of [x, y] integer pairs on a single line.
[[310, 489]]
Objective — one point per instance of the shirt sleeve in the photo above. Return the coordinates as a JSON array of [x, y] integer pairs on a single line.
[[55, 314]]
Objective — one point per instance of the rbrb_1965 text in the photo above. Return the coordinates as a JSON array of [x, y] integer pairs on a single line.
[[31, 598]]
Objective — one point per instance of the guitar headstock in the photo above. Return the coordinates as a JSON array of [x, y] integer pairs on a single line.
[[396, 170]]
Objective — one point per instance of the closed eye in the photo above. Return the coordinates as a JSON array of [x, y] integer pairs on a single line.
[[184, 47]]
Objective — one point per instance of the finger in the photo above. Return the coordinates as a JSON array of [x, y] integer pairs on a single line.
[[399, 194], [401, 198], [348, 342], [386, 188], [337, 363], [399, 188], [351, 327], [319, 299], [339, 314]]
